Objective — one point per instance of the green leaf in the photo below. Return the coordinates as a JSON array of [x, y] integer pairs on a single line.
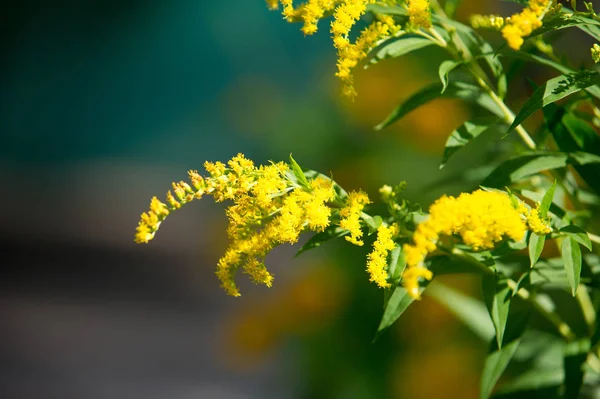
[[554, 90], [445, 68], [397, 304], [397, 264], [316, 240], [536, 246], [297, 170], [576, 353], [572, 134], [578, 234], [398, 47], [373, 222], [461, 90], [571, 255], [498, 358], [497, 295], [467, 309], [547, 200], [523, 166], [462, 136]]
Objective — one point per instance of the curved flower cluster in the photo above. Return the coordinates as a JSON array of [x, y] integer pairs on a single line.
[[350, 216], [487, 21], [524, 23], [268, 209], [419, 13], [481, 219], [377, 260]]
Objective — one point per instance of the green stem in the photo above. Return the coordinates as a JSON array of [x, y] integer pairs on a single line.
[[481, 78], [587, 308], [562, 327]]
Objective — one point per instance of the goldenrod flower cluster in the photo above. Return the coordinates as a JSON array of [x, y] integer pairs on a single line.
[[481, 219], [309, 13], [350, 54], [419, 13], [350, 216], [377, 260], [345, 15], [536, 224], [269, 208], [524, 23], [595, 53]]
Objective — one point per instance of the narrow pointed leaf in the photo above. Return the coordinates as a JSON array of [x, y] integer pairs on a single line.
[[536, 246], [462, 136], [398, 47], [523, 166], [498, 358], [571, 255], [497, 296], [578, 234], [297, 170], [554, 90], [547, 200], [397, 264], [444, 71], [319, 238], [396, 305], [461, 90]]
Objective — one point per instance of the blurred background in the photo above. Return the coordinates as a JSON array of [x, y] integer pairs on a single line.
[[103, 104]]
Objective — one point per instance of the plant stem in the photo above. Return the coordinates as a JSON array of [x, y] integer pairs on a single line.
[[481, 79], [562, 327]]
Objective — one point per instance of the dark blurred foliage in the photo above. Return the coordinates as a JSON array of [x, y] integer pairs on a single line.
[[104, 104]]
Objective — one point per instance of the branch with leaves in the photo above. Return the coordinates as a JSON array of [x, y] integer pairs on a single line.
[[547, 191]]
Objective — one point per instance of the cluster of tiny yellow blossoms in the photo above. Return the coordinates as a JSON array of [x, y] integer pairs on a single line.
[[481, 219], [309, 13], [350, 216], [536, 224], [419, 13], [268, 209], [377, 260], [524, 23], [350, 54]]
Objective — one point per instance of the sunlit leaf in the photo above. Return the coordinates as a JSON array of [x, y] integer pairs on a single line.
[[554, 90], [297, 170], [444, 71], [398, 47], [523, 166], [536, 246]]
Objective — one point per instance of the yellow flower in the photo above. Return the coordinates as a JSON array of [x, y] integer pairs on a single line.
[[267, 210], [377, 260], [419, 13], [524, 23], [481, 219], [536, 224], [350, 216]]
